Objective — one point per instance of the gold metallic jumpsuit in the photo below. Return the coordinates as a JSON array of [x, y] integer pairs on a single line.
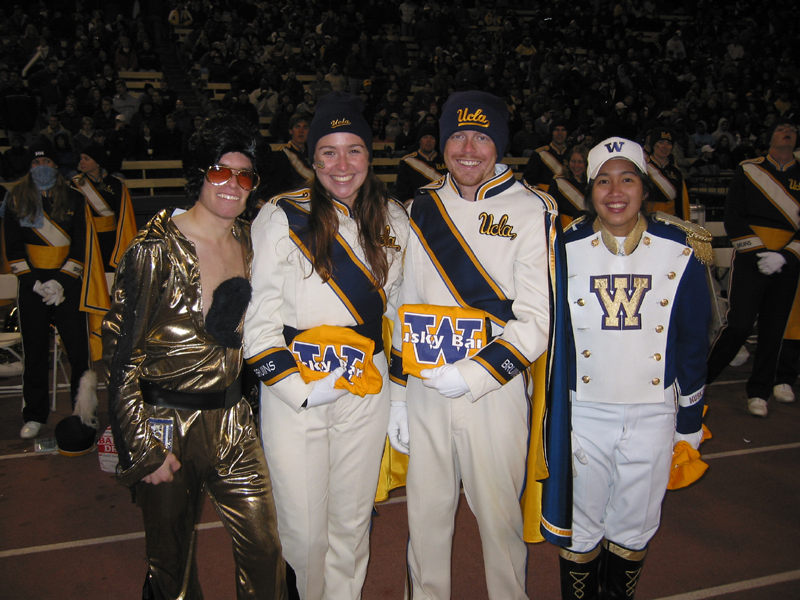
[[155, 331]]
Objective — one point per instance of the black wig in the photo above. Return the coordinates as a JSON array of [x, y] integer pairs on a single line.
[[215, 138]]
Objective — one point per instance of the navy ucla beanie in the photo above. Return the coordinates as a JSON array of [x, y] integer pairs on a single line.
[[339, 112], [476, 111]]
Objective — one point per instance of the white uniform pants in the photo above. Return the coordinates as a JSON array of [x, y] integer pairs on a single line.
[[484, 444], [324, 463], [618, 494]]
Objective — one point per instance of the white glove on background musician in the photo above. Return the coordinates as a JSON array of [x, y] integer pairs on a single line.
[[54, 292], [37, 287], [770, 262]]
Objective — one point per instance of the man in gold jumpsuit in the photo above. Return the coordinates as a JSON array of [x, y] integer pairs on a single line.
[[175, 356]]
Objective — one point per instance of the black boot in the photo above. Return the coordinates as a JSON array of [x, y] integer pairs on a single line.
[[579, 580], [620, 569]]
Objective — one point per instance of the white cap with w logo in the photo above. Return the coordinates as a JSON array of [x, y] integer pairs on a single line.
[[616, 147]]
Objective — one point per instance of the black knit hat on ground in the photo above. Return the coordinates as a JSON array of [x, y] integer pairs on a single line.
[[476, 111], [73, 437], [339, 112], [76, 434]]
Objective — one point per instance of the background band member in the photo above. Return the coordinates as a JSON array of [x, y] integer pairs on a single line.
[[290, 168], [327, 267], [670, 194], [109, 203], [478, 254], [45, 237], [638, 298], [109, 214], [569, 188], [173, 345], [762, 219], [548, 160], [422, 167]]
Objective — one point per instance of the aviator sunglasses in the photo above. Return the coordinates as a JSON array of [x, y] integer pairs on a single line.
[[219, 175]]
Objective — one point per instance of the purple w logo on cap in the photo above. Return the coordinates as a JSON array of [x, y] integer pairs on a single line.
[[614, 147]]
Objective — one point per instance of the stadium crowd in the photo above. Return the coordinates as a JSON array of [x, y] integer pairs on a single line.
[[717, 76]]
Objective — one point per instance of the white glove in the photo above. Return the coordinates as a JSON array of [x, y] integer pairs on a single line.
[[693, 439], [577, 454], [771, 262], [446, 380], [54, 292], [398, 427], [47, 294], [324, 392], [39, 289]]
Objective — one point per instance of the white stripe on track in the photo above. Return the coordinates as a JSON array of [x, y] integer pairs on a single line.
[[27, 454], [750, 451], [76, 544], [93, 541], [739, 586]]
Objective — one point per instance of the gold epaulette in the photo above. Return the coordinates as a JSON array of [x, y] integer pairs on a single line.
[[698, 238], [576, 222]]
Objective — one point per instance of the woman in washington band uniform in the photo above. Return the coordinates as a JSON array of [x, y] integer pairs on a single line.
[[639, 309]]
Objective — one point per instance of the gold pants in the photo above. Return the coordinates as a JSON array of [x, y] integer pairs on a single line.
[[218, 450]]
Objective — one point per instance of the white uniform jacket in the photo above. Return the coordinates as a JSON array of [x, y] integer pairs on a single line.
[[495, 251], [639, 321], [287, 292]]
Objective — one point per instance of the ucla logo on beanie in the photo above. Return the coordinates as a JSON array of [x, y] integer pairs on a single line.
[[476, 111], [338, 112]]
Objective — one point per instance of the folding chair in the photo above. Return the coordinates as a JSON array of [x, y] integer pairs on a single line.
[[9, 340]]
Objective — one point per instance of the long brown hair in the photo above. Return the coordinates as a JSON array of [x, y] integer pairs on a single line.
[[583, 150], [370, 211], [24, 198]]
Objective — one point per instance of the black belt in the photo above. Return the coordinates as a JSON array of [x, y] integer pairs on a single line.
[[158, 396], [372, 330]]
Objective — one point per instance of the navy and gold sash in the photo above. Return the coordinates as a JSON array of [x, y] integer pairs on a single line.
[[423, 168], [52, 254], [297, 162], [457, 265], [351, 281], [553, 163], [775, 192], [667, 188]]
